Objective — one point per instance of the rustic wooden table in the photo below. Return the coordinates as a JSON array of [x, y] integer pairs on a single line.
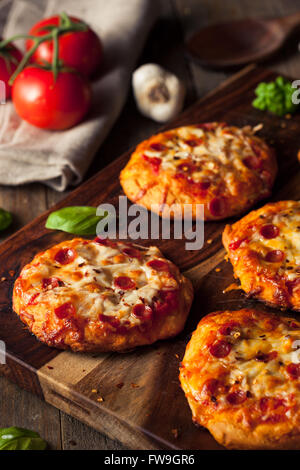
[[164, 46]]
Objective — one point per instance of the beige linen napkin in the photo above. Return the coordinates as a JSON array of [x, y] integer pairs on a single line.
[[59, 159]]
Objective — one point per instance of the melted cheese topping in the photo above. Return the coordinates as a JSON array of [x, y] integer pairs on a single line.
[[263, 379], [88, 281], [255, 370], [217, 153], [287, 241]]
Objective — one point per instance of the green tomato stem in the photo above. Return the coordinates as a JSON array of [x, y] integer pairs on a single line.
[[55, 61], [66, 26]]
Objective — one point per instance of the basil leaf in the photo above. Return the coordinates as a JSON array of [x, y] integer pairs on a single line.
[[5, 219], [79, 220], [275, 96], [14, 438]]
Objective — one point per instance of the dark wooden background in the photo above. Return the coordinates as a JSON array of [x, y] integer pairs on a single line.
[[164, 46]]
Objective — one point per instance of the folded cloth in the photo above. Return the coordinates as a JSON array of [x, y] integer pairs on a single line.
[[61, 158]]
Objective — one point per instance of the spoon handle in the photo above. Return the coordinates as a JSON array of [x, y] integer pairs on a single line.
[[290, 22]]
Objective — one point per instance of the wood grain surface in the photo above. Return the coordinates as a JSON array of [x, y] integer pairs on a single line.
[[148, 409], [165, 46]]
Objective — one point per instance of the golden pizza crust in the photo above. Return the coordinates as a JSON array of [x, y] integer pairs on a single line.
[[274, 282], [268, 416], [227, 180], [38, 302]]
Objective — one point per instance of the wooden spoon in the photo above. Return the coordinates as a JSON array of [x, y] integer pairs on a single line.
[[240, 42]]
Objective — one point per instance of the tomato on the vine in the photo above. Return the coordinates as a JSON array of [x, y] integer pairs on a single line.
[[10, 57], [81, 50], [50, 103]]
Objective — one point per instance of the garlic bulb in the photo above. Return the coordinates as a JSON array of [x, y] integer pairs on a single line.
[[158, 93]]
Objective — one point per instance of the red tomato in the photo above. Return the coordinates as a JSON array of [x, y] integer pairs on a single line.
[[44, 103], [81, 50], [10, 57]]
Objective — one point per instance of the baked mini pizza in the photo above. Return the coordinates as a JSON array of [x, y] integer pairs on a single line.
[[241, 376], [225, 168], [264, 249], [101, 295]]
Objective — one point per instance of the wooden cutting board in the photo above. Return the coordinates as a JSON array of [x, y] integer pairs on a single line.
[[143, 405]]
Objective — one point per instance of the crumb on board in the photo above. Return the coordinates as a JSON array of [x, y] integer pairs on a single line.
[[133, 385], [175, 432], [50, 367], [94, 390], [100, 399], [209, 241], [176, 355], [11, 273], [3, 279], [258, 127], [120, 385], [218, 270]]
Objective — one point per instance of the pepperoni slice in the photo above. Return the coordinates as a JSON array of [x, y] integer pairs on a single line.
[[267, 403], [194, 142], [33, 298], [274, 256], [158, 265], [113, 321], [154, 162], [291, 285], [236, 244], [124, 283], [211, 386], [220, 349], [204, 185], [158, 147], [269, 231], [65, 256], [168, 301], [51, 283], [266, 177], [237, 397], [217, 206], [65, 310], [142, 311], [227, 329], [293, 370], [256, 149], [132, 253], [266, 357], [209, 126], [264, 404], [252, 162], [104, 241]]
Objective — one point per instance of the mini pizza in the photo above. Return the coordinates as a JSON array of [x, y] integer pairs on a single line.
[[264, 249], [241, 377], [225, 168], [101, 295]]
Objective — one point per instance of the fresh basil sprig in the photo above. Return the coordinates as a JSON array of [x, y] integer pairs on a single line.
[[14, 438], [79, 220], [5, 219], [275, 96]]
